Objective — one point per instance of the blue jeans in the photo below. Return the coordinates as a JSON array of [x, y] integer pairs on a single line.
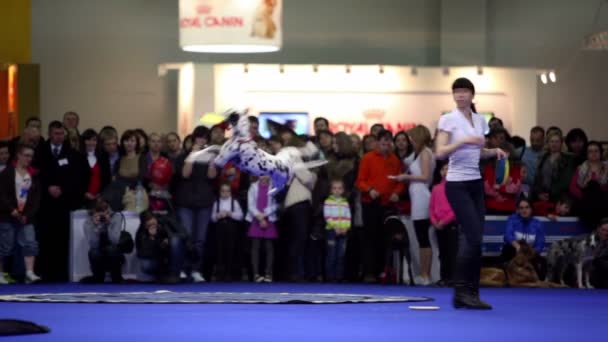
[[25, 238], [196, 222], [168, 263], [336, 249], [467, 201]]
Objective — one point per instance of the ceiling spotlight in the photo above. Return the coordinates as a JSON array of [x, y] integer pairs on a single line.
[[245, 68], [479, 70], [381, 69], [543, 78], [315, 68], [281, 68], [446, 71], [414, 71], [552, 76], [348, 69]]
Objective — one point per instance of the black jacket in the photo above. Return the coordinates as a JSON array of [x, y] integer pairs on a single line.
[[70, 171], [8, 198], [152, 248], [196, 191]]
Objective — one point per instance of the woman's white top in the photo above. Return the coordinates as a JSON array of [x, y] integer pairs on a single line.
[[464, 162], [420, 193]]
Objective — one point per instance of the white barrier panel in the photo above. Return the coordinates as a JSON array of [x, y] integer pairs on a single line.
[[79, 247]]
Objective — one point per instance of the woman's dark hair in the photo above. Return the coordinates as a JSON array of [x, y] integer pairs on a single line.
[[576, 134], [143, 134], [599, 146], [128, 134], [145, 217], [275, 138], [518, 141], [523, 199], [320, 118], [201, 132], [463, 83], [88, 134], [365, 139], [409, 149], [188, 139]]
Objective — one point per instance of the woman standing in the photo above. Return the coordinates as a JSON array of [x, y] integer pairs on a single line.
[[461, 139], [420, 177]]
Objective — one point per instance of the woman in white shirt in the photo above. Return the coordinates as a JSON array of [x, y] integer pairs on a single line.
[[461, 139], [420, 177]]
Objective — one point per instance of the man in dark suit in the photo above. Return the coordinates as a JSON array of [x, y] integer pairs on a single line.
[[64, 177]]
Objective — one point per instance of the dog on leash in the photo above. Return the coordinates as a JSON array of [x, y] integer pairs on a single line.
[[577, 251], [244, 152]]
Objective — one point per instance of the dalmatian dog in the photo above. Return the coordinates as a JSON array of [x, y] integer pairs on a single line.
[[577, 251], [244, 152]]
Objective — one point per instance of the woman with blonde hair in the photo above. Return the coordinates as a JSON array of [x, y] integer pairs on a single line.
[[420, 177]]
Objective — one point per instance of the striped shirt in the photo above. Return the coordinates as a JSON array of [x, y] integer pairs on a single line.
[[336, 212]]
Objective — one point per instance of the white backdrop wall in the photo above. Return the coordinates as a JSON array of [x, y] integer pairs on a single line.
[[100, 58], [401, 98]]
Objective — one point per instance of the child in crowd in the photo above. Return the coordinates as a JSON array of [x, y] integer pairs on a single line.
[[336, 211], [226, 214], [444, 221], [562, 208], [262, 215]]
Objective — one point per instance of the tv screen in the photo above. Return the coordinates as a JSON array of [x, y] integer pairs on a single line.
[[298, 121]]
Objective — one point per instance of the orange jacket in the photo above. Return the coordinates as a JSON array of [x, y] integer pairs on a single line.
[[373, 174]]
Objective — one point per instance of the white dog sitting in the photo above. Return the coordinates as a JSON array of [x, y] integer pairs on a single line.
[[244, 152]]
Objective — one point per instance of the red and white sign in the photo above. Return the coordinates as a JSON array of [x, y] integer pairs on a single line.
[[230, 26]]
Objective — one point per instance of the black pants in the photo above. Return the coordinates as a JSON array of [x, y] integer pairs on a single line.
[[103, 260], [447, 239], [53, 234], [297, 219], [226, 235], [599, 273], [467, 201], [374, 238]]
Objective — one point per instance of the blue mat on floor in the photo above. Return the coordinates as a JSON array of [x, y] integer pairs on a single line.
[[518, 315]]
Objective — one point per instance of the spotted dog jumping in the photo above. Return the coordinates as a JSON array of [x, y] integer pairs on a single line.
[[244, 152]]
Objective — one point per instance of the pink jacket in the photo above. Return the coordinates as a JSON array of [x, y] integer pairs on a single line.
[[440, 208]]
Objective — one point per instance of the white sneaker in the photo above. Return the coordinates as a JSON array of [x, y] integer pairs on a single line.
[[198, 277], [3, 280], [182, 275], [258, 279], [31, 277], [424, 281], [268, 279]]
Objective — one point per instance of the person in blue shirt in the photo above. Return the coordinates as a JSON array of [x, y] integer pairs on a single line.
[[522, 227]]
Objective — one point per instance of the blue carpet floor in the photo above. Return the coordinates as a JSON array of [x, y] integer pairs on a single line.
[[519, 315]]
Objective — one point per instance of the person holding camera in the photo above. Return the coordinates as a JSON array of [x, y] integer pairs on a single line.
[[102, 230], [161, 244]]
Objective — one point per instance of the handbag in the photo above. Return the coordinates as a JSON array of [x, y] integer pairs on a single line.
[[125, 241]]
